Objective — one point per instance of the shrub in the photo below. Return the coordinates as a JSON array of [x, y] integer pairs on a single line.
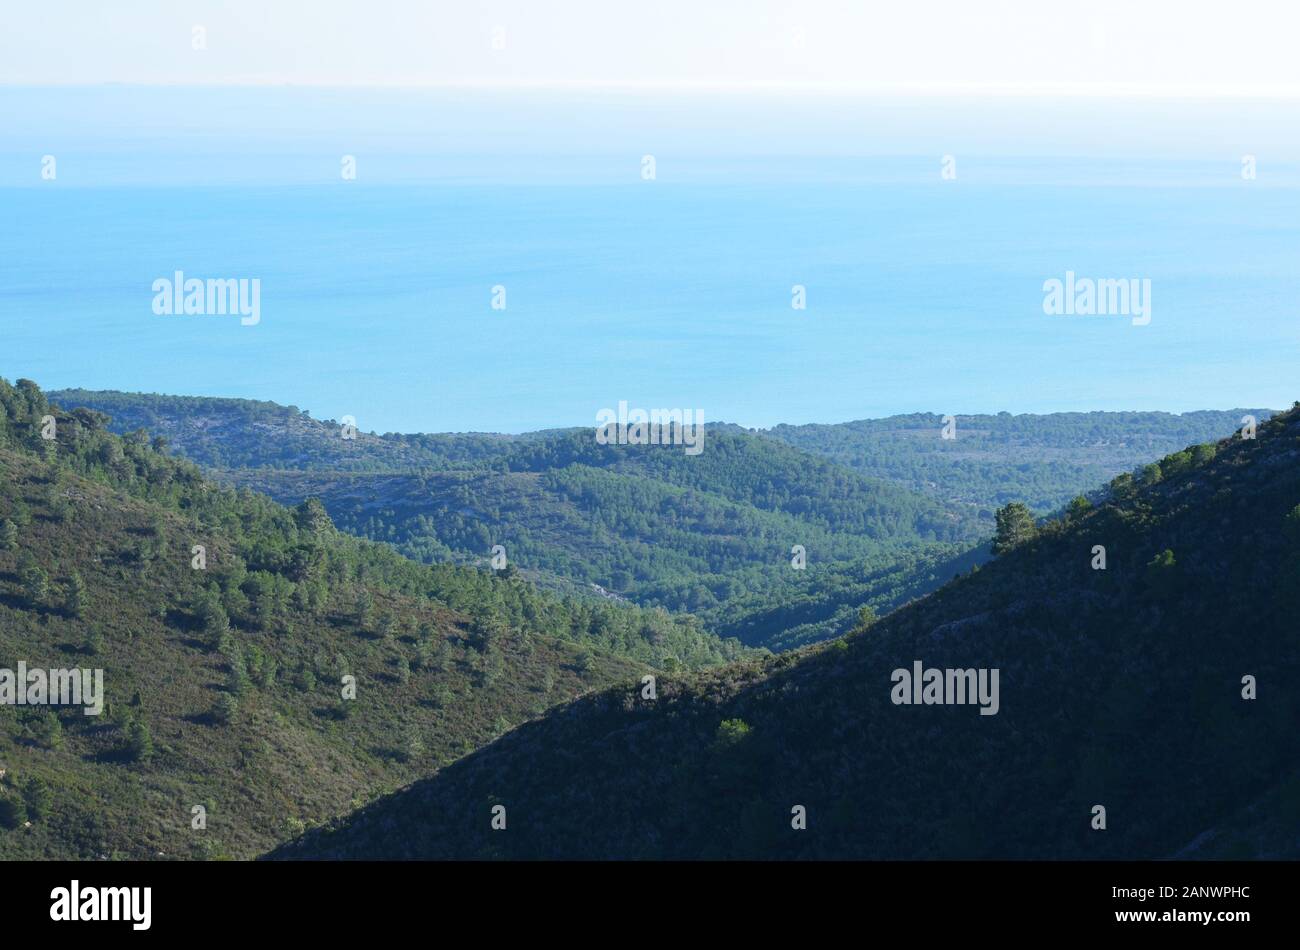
[[364, 608], [139, 742], [225, 709], [215, 620], [1121, 486], [74, 602], [237, 680], [731, 732], [413, 747], [57, 504], [38, 798], [267, 672], [442, 696], [305, 680], [1162, 572], [47, 730]]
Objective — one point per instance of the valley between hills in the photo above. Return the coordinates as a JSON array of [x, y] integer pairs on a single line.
[[648, 658]]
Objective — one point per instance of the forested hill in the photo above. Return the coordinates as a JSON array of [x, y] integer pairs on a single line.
[[1147, 705], [245, 433], [226, 627], [714, 534], [1041, 460], [884, 510]]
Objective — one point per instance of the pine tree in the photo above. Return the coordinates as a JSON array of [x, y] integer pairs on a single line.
[[312, 517], [1015, 525], [36, 584], [1162, 573], [139, 743], [1078, 507], [402, 667], [56, 502], [237, 682], [267, 672], [306, 679], [75, 597], [226, 709], [47, 730], [216, 623], [364, 608], [413, 748]]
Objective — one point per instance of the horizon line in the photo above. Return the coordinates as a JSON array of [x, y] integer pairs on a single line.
[[908, 89]]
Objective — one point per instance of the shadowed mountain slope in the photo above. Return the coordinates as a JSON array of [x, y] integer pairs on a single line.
[[1124, 688]]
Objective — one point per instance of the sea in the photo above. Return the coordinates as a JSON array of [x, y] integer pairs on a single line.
[[483, 266]]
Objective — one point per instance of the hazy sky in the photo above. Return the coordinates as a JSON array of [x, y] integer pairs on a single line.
[[1010, 46]]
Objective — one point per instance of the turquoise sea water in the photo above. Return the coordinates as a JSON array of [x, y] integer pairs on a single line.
[[921, 294]]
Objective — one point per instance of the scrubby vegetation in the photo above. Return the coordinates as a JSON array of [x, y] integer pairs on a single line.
[[711, 534], [278, 565], [1162, 688], [1040, 460], [229, 629]]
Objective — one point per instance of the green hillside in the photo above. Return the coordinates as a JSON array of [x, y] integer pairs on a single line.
[[886, 510], [711, 534], [224, 678], [1120, 687], [1041, 460]]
